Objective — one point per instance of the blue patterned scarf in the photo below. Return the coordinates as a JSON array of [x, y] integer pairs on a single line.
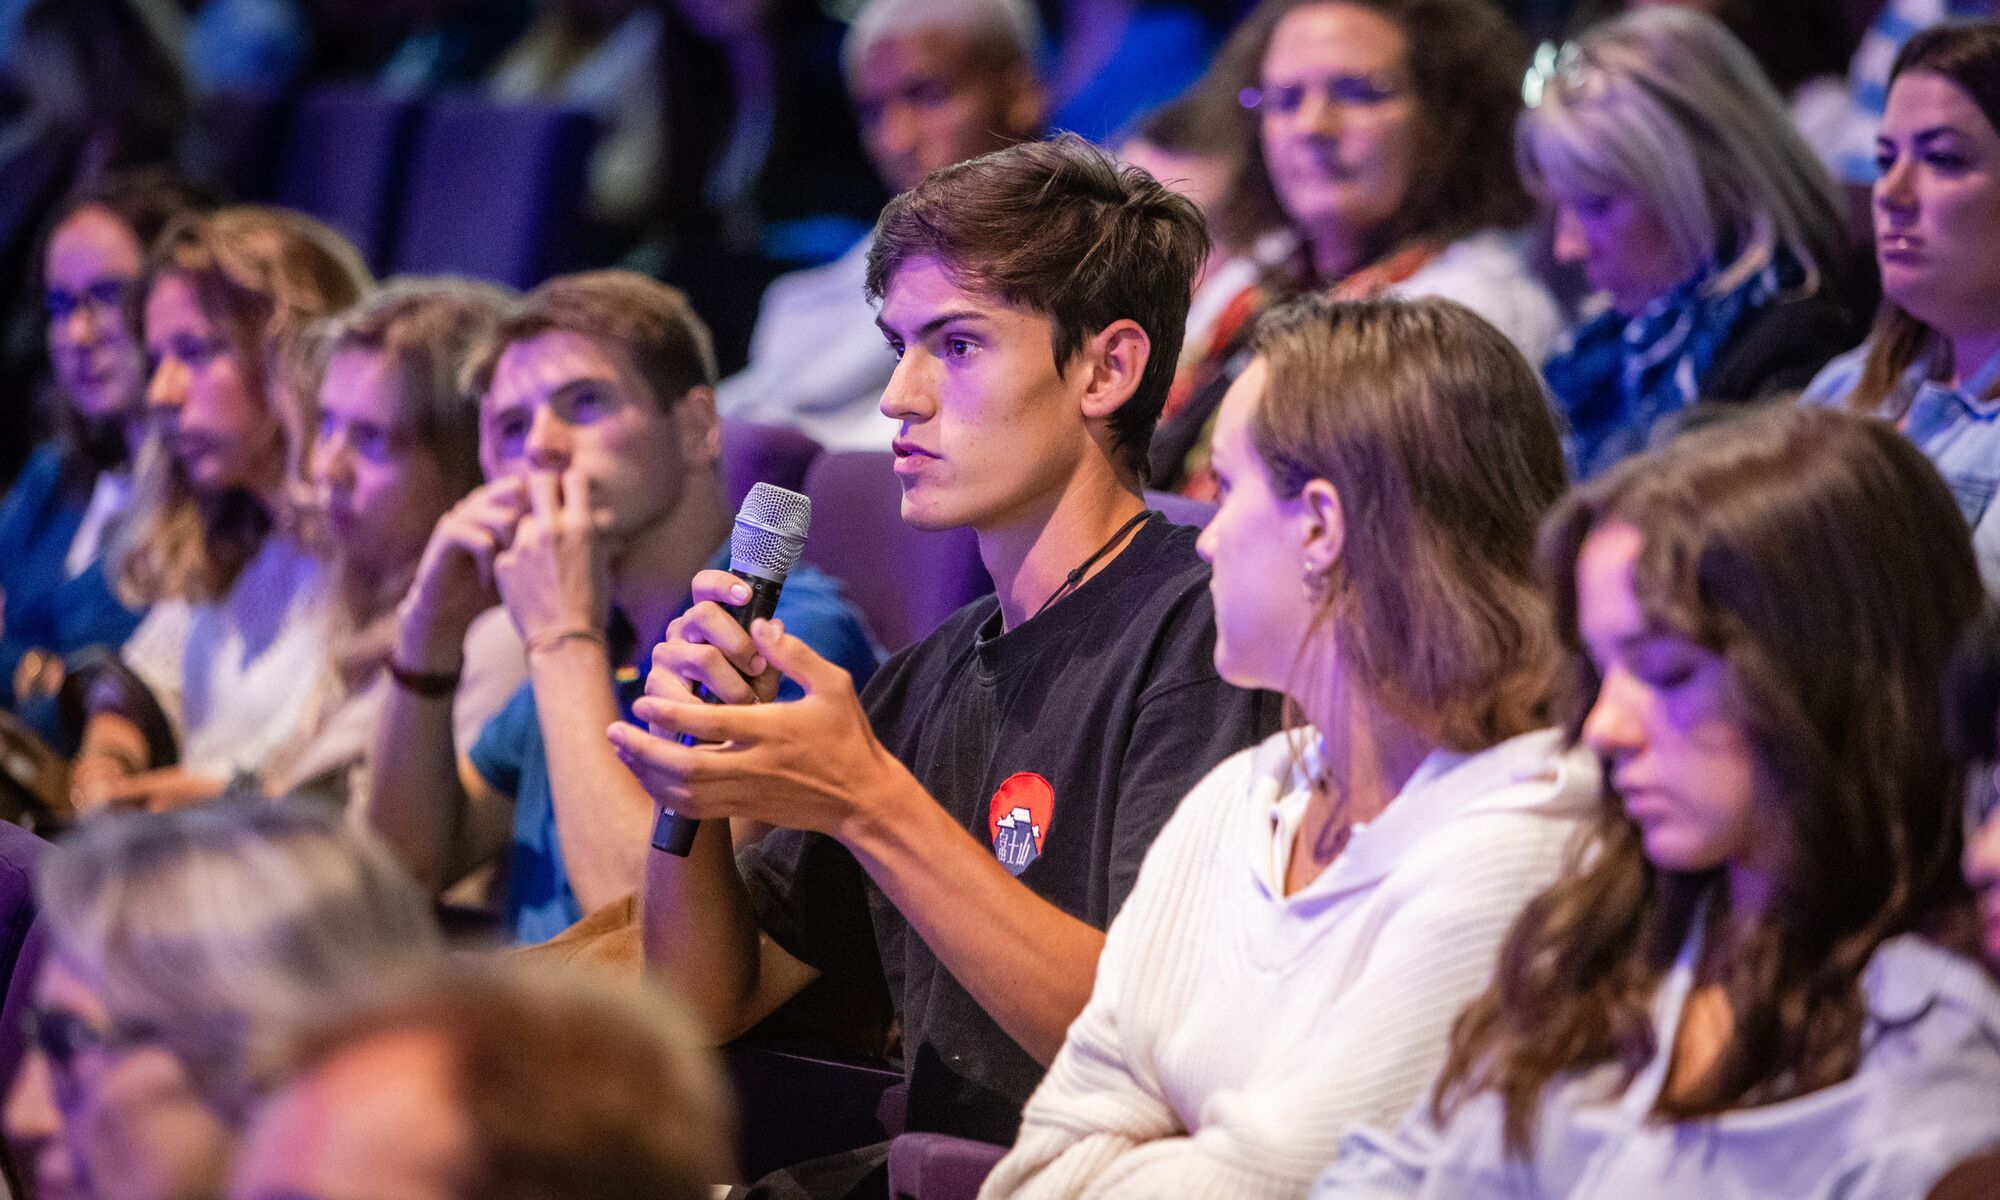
[[1617, 377]]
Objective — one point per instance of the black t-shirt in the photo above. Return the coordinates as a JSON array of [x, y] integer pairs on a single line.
[[1064, 744]]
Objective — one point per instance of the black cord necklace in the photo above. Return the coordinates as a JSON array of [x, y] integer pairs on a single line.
[[1071, 580]]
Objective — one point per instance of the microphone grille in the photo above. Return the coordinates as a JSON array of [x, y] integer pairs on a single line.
[[770, 532]]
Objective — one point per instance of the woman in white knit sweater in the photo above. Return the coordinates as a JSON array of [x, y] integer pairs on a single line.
[[1320, 908]]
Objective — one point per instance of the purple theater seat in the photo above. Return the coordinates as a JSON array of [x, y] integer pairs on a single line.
[[1180, 509], [792, 1108], [904, 581], [753, 454], [494, 190], [237, 139], [936, 1166], [343, 162]]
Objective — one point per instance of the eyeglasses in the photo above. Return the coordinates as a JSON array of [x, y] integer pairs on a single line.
[[1347, 91], [105, 295], [65, 1037]]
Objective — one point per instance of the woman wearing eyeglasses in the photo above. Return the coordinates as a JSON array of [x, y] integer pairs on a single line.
[[1377, 131], [1704, 222], [178, 945], [53, 595]]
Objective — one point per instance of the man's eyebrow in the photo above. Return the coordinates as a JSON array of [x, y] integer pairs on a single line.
[[956, 315]]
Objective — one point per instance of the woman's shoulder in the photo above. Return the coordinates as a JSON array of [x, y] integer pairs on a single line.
[[1488, 272]]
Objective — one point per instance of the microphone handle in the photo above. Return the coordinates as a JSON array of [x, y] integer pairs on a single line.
[[672, 832]]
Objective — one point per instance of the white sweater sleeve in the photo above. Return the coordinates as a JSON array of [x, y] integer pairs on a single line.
[[156, 652], [1101, 1099], [1377, 1049]]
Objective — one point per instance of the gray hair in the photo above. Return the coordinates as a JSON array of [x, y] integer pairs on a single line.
[[1005, 25], [218, 926], [1665, 103]]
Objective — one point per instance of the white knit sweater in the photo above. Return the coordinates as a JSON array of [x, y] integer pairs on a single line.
[[1236, 1033]]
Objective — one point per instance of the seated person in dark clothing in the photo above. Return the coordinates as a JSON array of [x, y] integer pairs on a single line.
[[982, 809], [1699, 213]]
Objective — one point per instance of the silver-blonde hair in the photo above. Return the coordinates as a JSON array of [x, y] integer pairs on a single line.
[[218, 927], [1664, 103], [1004, 25]]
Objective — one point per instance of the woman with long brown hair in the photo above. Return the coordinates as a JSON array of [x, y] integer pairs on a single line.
[[1754, 986], [1321, 906], [1932, 363], [233, 652]]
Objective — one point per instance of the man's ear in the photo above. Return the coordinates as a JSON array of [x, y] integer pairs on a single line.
[[1113, 362], [700, 428], [1326, 526]]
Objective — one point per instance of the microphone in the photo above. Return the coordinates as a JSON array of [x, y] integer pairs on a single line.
[[764, 546]]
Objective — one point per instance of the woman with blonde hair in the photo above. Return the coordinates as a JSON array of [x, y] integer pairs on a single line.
[[1704, 222], [1321, 906], [1762, 983], [393, 445], [232, 655], [181, 948]]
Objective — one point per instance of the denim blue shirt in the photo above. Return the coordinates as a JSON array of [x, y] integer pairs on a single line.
[[511, 756], [1957, 428], [1921, 1101]]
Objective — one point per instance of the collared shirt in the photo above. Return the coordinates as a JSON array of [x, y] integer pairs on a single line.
[[1920, 1101], [1957, 428]]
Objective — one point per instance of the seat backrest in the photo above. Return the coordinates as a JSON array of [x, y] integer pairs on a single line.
[[753, 454], [494, 190], [343, 161], [903, 580], [237, 140], [20, 942], [1180, 509]]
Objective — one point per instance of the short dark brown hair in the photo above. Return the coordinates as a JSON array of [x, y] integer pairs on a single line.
[[669, 344], [1439, 438], [573, 1086], [1061, 229]]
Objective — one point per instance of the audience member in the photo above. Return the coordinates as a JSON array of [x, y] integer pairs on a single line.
[[1710, 231], [1380, 129], [1195, 146], [603, 56], [984, 809], [764, 170], [432, 45], [1114, 59], [247, 45], [1932, 362], [495, 1085], [97, 87], [54, 597], [598, 434], [179, 945], [1803, 46], [935, 82], [1398, 456], [1869, 72], [233, 653], [397, 444], [1972, 719], [1753, 987]]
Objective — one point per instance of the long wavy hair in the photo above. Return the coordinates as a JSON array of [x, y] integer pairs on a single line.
[[1438, 437], [262, 276], [1966, 54], [1820, 555]]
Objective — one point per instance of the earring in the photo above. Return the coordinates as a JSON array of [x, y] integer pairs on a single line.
[[1316, 583]]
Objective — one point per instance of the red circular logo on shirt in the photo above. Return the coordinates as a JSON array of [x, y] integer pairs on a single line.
[[1017, 819]]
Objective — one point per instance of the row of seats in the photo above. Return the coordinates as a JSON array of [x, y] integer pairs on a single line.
[[905, 582], [452, 184]]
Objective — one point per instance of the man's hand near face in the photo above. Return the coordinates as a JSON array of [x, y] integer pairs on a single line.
[[554, 574]]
